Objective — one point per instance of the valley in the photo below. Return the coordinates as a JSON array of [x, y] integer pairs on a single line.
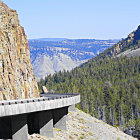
[[104, 74], [52, 55]]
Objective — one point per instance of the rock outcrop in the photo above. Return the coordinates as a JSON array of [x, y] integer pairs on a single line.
[[17, 80], [132, 42]]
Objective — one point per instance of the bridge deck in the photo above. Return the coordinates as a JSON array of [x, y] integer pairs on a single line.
[[45, 102]]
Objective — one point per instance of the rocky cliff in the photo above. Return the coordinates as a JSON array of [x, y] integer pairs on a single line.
[[131, 43], [17, 80]]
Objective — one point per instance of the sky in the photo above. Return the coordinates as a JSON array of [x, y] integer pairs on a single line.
[[91, 19]]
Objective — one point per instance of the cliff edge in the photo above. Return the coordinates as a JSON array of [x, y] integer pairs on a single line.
[[17, 80]]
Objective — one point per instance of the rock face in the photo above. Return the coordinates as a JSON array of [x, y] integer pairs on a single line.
[[132, 42], [17, 80]]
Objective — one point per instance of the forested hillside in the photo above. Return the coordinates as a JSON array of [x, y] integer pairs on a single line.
[[109, 85]]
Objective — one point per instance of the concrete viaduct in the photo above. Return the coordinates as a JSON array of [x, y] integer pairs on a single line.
[[18, 118]]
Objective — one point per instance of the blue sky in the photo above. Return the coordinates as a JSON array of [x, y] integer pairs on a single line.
[[99, 19]]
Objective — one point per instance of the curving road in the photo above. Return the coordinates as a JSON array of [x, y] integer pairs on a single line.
[[45, 102]]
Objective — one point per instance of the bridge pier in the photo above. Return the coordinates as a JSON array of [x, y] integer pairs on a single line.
[[60, 118], [19, 127], [71, 108], [5, 128], [46, 123], [33, 123], [41, 123]]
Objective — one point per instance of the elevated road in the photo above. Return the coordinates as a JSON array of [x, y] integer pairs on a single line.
[[18, 118]]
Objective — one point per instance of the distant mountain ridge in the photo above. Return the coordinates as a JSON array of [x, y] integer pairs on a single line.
[[50, 56], [48, 39]]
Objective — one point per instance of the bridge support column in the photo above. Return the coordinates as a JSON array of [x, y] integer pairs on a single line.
[[41, 123], [71, 108], [46, 123], [60, 118], [19, 127], [5, 128]]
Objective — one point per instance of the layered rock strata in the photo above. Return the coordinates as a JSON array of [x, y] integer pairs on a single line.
[[17, 80], [131, 42]]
